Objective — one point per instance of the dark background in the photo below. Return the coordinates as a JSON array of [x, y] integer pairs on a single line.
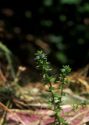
[[59, 27]]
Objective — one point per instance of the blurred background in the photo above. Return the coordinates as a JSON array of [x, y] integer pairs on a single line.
[[59, 27]]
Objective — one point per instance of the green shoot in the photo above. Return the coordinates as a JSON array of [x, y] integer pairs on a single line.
[[55, 98]]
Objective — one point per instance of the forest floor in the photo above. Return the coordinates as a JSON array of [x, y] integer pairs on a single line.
[[28, 104]]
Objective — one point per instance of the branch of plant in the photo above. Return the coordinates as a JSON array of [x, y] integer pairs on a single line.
[[55, 99]]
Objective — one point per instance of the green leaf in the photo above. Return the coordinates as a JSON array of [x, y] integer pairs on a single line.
[[55, 39], [61, 57], [51, 88], [63, 121], [70, 1], [86, 7], [47, 2], [52, 79]]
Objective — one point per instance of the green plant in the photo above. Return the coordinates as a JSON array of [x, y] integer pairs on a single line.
[[55, 98], [13, 86], [8, 56]]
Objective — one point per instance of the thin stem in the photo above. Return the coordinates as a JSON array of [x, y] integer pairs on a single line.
[[61, 92], [53, 100]]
